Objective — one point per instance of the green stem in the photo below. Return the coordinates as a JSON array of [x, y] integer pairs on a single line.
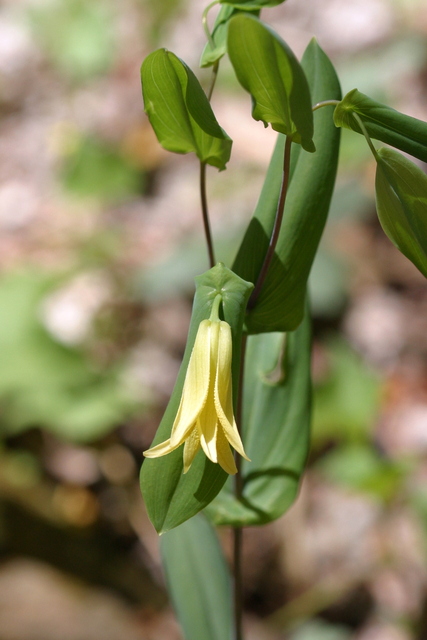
[[203, 197], [214, 317], [325, 103], [238, 531], [238, 583], [277, 224], [365, 133], [205, 214], [214, 77], [205, 22]]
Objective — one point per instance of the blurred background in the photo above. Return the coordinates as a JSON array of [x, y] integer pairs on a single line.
[[100, 238]]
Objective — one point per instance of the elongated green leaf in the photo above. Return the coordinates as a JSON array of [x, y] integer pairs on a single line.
[[171, 497], [212, 54], [179, 110], [198, 580], [401, 196], [276, 428], [280, 306], [383, 123], [266, 67]]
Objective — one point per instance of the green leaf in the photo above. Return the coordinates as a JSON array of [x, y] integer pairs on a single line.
[[266, 67], [280, 306], [179, 110], [171, 497], [198, 580], [276, 428], [383, 123], [401, 197], [212, 54]]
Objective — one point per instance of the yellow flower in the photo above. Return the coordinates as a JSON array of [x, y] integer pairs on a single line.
[[205, 416]]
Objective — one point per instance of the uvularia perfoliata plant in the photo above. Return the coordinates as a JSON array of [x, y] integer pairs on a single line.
[[214, 427]]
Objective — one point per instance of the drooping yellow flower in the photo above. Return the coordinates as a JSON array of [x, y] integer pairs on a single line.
[[205, 416]]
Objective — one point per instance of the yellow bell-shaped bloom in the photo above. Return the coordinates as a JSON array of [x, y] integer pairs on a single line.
[[205, 416]]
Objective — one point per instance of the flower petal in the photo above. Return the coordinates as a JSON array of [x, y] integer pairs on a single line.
[[223, 390], [208, 419], [225, 455], [160, 450], [196, 385], [191, 448]]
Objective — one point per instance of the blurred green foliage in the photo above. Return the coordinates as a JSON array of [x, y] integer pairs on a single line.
[[317, 629], [361, 468], [76, 35], [44, 383], [94, 169], [346, 401]]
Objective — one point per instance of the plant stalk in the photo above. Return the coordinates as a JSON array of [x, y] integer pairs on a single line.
[[205, 214], [238, 531], [238, 583], [277, 225]]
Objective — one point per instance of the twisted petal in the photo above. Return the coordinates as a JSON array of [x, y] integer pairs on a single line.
[[191, 448], [208, 419], [223, 391], [196, 386], [225, 455], [160, 450]]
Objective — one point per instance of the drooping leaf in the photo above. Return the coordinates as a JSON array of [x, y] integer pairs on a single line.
[[198, 580], [179, 110], [276, 428], [212, 54], [280, 306], [266, 67], [401, 198], [171, 497], [383, 123]]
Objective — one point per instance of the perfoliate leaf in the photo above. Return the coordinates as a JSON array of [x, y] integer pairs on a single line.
[[383, 123], [266, 67], [401, 197], [212, 54], [280, 306], [193, 559], [179, 110], [276, 428], [170, 496]]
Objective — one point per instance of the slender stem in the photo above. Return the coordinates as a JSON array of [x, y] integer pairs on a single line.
[[325, 103], [205, 22], [365, 133], [205, 214], [277, 224], [238, 583], [214, 317], [238, 481], [214, 77], [238, 531]]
